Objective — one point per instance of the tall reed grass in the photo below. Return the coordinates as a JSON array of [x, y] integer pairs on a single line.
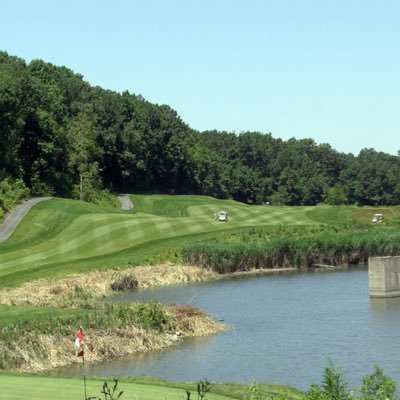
[[39, 344], [333, 247]]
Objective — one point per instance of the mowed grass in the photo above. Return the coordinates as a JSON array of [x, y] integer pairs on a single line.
[[60, 236], [20, 387]]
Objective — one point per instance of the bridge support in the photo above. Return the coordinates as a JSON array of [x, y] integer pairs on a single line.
[[384, 276]]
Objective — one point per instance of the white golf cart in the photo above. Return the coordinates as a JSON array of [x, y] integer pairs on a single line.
[[377, 218], [223, 216]]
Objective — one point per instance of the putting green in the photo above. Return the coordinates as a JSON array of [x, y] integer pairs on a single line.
[[60, 236], [14, 387]]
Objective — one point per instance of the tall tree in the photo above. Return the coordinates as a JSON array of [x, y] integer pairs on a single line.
[[83, 153]]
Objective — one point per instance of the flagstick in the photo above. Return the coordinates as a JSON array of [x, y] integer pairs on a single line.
[[84, 376], [80, 346], [84, 384]]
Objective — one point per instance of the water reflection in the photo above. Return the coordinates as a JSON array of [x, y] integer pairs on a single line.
[[385, 305], [286, 329]]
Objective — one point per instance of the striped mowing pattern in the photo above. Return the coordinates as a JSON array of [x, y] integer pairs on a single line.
[[100, 232]]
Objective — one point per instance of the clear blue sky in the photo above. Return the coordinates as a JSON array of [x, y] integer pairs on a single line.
[[322, 69]]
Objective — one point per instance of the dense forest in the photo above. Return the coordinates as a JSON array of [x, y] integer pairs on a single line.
[[61, 136]]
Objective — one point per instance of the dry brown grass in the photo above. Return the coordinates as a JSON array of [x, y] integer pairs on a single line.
[[38, 352], [72, 290], [191, 321]]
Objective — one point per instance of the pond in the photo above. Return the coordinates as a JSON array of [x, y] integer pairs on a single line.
[[285, 329]]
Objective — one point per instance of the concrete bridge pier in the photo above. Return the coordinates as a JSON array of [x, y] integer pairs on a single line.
[[384, 276]]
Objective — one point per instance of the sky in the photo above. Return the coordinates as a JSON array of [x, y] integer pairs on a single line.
[[328, 70]]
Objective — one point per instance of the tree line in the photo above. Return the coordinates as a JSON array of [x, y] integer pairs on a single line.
[[61, 136]]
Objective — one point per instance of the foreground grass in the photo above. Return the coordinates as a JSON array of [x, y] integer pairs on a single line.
[[22, 387]]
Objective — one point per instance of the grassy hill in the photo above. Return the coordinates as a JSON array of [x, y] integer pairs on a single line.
[[61, 236]]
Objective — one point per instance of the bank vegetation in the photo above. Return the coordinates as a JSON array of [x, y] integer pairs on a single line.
[[301, 247], [45, 340]]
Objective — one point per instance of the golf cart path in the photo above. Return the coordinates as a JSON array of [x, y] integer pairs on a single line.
[[19, 212], [16, 216], [126, 202]]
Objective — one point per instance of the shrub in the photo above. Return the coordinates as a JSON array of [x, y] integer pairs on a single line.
[[378, 386], [333, 387], [152, 316], [296, 248], [125, 282], [12, 191]]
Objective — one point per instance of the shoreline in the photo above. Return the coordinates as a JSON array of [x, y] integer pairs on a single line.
[[66, 292], [52, 350], [35, 351]]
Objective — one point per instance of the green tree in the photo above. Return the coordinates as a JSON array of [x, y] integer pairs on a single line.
[[336, 195], [82, 154], [12, 113]]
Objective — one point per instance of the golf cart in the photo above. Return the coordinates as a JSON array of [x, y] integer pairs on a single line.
[[223, 216], [377, 218]]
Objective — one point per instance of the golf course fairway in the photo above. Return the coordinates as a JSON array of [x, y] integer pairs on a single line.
[[62, 236]]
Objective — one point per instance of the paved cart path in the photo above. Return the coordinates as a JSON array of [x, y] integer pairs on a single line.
[[19, 212], [16, 216]]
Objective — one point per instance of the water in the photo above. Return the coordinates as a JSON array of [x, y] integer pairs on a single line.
[[285, 329]]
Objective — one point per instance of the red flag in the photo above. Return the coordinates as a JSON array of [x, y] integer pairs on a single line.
[[79, 342]]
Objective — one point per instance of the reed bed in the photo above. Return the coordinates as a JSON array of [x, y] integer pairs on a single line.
[[37, 345], [75, 290], [327, 247]]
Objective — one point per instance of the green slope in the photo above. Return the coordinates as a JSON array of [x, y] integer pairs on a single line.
[[61, 236]]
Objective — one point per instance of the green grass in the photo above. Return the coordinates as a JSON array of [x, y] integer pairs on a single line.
[[12, 314], [332, 214], [23, 387], [61, 236]]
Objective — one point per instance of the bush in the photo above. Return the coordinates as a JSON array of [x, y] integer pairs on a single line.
[[125, 282], [152, 316], [377, 386], [12, 191], [297, 248]]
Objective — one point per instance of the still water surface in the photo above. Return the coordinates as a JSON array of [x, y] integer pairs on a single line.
[[285, 329]]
